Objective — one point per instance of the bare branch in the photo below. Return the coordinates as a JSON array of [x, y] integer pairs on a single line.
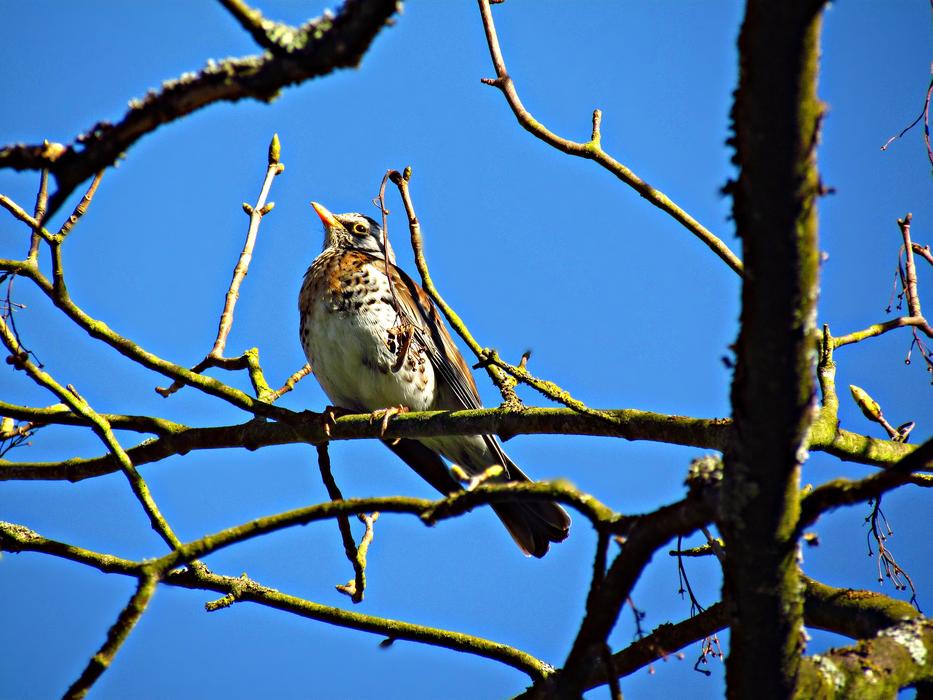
[[99, 330], [506, 386], [16, 538], [215, 358], [101, 428], [357, 586], [319, 47], [116, 635], [880, 328], [592, 150], [310, 428]]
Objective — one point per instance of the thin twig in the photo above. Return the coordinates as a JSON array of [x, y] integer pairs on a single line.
[[880, 530], [925, 115], [505, 384], [126, 347], [17, 211], [82, 206], [290, 382], [923, 251], [100, 427], [356, 588], [42, 201], [880, 328], [913, 299], [116, 635], [255, 212], [592, 150]]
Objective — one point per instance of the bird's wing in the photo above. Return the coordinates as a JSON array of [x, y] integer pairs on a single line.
[[431, 333], [455, 380]]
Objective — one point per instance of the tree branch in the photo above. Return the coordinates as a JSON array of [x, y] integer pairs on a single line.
[[317, 48], [592, 149], [116, 635], [249, 359], [101, 331], [99, 426], [776, 120], [872, 668], [309, 427], [641, 540]]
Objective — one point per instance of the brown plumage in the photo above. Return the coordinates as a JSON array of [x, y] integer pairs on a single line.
[[369, 356]]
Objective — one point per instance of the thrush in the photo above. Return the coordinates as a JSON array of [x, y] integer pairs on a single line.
[[376, 341]]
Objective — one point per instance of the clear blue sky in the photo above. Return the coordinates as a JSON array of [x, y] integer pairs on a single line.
[[622, 307]]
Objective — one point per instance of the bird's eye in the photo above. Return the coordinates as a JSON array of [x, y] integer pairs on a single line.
[[360, 229]]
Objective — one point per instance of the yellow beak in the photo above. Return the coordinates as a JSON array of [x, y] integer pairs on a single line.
[[329, 219]]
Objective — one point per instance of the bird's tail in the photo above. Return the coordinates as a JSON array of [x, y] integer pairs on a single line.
[[532, 524]]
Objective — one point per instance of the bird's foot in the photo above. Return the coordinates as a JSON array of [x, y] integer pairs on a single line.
[[330, 415], [385, 415]]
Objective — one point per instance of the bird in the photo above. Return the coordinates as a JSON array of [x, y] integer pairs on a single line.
[[376, 342]]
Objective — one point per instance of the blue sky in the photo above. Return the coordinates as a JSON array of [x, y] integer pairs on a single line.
[[621, 306]]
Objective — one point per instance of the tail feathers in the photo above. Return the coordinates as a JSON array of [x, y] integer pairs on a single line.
[[532, 524], [426, 463]]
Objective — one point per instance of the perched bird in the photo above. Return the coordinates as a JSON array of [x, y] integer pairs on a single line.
[[376, 341]]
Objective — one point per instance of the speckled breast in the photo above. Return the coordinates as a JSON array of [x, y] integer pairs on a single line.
[[354, 338]]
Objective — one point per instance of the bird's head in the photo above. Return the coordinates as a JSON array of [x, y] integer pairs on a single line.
[[352, 232]]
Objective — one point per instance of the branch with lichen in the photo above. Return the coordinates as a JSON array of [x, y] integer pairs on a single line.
[[317, 48], [116, 635], [309, 427], [592, 149], [872, 668], [16, 538], [356, 555], [99, 330], [842, 492], [78, 405], [776, 123]]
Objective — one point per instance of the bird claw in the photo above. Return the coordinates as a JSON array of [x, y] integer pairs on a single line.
[[331, 414], [385, 415]]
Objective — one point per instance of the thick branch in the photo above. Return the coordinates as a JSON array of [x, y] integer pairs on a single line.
[[309, 428], [873, 668], [841, 492], [776, 119], [645, 536]]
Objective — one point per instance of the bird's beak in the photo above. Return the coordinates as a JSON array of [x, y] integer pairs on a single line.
[[329, 219]]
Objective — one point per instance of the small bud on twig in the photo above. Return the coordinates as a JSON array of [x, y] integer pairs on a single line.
[[275, 150], [870, 408]]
